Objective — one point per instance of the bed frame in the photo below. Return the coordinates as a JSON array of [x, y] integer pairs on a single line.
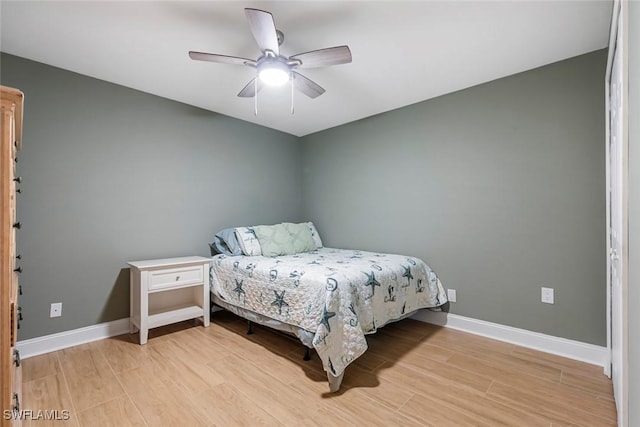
[[305, 337]]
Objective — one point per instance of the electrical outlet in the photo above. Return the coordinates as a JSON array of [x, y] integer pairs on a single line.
[[56, 309], [451, 295], [547, 295]]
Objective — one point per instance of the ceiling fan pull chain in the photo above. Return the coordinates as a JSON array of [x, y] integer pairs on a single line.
[[255, 96], [292, 77]]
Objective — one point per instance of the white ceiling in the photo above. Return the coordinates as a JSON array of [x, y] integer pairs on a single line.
[[403, 52]]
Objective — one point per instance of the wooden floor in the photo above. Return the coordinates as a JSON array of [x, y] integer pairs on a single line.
[[413, 374]]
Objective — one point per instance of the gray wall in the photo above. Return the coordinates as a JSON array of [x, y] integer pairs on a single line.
[[113, 175], [634, 214], [500, 188]]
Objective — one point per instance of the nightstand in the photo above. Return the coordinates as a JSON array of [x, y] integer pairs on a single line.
[[169, 290]]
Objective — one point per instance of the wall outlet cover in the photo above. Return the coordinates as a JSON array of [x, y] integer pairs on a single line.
[[56, 309], [547, 295], [451, 295]]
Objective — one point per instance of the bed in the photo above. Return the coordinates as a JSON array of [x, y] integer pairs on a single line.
[[329, 298]]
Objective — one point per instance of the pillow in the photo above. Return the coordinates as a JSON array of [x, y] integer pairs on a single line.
[[284, 239], [274, 239], [301, 237], [248, 241], [315, 235], [225, 242]]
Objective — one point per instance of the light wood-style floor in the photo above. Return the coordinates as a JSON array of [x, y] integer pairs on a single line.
[[413, 374]]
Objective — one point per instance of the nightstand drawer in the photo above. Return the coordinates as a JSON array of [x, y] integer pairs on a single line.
[[168, 278]]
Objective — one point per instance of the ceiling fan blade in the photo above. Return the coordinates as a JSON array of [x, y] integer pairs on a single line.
[[307, 86], [264, 29], [324, 57], [224, 59], [249, 90]]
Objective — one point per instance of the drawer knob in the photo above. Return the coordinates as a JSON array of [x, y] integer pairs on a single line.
[[19, 313], [18, 270], [19, 289], [17, 225], [18, 190], [16, 357], [18, 256], [18, 179], [177, 278]]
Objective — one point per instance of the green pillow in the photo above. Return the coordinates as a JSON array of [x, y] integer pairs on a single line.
[[284, 239], [301, 237]]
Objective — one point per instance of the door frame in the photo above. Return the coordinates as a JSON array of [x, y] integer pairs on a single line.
[[619, 30]]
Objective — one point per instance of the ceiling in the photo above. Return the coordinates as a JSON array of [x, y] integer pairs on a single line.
[[403, 52]]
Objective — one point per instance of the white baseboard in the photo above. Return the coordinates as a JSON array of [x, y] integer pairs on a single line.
[[49, 343], [576, 350], [589, 353]]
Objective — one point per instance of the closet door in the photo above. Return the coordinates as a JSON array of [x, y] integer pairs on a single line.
[[617, 153]]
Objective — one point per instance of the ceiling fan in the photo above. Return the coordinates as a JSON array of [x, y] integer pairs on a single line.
[[274, 69]]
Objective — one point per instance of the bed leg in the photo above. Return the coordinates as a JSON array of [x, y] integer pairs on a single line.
[[249, 327], [306, 356]]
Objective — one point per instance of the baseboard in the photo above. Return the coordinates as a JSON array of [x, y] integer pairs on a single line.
[[49, 343], [589, 353]]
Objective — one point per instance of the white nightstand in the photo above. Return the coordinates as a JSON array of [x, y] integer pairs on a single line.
[[168, 290]]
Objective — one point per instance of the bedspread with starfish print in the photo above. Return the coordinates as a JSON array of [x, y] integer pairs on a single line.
[[338, 295]]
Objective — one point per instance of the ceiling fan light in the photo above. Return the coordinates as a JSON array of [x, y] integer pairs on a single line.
[[274, 74]]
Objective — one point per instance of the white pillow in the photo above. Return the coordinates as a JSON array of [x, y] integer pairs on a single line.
[[315, 235], [248, 241]]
